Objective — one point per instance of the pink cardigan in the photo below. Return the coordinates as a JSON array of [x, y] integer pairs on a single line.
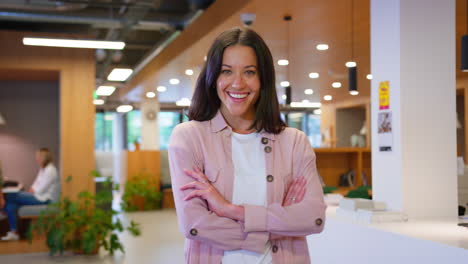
[[207, 145]]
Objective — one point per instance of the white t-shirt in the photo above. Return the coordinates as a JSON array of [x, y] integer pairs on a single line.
[[47, 184], [250, 187]]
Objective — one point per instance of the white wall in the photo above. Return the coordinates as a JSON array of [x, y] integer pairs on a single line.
[[412, 46], [149, 128]]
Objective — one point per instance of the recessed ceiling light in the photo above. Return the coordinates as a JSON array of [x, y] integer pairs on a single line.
[[98, 101], [151, 94], [284, 97], [353, 92], [124, 108], [189, 72], [350, 64], [327, 97], [336, 84], [183, 102], [314, 75], [104, 90], [174, 81], [318, 111], [161, 89], [308, 91], [283, 62], [369, 76], [204, 58], [74, 43], [322, 46], [284, 83], [306, 103], [119, 75]]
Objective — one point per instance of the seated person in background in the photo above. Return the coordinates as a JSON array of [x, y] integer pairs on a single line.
[[45, 189]]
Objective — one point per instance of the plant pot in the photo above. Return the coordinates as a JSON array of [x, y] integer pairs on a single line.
[[138, 201], [80, 251]]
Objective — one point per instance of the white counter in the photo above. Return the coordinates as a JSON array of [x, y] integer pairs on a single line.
[[436, 241]]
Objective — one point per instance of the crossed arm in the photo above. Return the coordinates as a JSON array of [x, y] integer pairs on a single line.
[[205, 215]]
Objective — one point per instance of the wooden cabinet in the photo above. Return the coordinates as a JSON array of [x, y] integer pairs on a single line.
[[146, 163], [332, 162]]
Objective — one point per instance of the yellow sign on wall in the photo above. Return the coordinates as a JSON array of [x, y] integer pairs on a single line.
[[384, 95]]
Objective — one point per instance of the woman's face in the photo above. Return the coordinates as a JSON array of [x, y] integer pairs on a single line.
[[39, 159], [238, 84]]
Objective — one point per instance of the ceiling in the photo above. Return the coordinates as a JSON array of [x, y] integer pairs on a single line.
[[146, 25], [143, 25], [346, 29], [335, 23]]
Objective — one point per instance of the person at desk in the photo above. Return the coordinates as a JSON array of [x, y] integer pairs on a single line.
[[45, 189]]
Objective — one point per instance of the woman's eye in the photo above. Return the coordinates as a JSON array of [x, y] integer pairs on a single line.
[[250, 72], [225, 71]]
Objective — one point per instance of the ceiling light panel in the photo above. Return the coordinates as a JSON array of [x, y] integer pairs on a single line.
[[73, 43], [119, 74], [104, 90]]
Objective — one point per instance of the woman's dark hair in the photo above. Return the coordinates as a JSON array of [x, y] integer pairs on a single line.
[[205, 101]]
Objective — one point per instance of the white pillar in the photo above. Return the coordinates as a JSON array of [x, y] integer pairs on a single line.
[[413, 47], [118, 148], [149, 124]]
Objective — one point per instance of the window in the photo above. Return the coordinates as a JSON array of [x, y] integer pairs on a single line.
[[313, 130], [103, 131], [307, 122], [167, 121], [133, 128]]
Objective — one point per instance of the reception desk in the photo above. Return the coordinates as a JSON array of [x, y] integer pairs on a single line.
[[429, 242]]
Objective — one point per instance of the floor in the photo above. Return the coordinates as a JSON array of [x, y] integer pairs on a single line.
[[160, 242]]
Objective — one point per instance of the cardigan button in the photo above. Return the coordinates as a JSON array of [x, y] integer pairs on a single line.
[[193, 232], [274, 248], [264, 140], [318, 221], [270, 178], [267, 149]]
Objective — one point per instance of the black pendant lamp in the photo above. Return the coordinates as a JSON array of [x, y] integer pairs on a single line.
[[352, 65], [352, 77], [464, 46], [287, 89], [464, 53]]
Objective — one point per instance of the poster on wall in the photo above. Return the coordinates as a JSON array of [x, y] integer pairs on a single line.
[[384, 132], [384, 95]]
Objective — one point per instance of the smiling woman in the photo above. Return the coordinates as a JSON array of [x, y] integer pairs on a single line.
[[246, 186], [238, 62]]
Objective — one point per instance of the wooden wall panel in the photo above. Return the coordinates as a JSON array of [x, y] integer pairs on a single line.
[[76, 69], [144, 163]]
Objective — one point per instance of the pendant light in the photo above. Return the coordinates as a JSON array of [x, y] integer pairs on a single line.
[[287, 89], [464, 45], [352, 66]]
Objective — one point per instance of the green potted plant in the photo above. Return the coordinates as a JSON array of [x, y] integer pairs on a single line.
[[82, 225], [141, 194]]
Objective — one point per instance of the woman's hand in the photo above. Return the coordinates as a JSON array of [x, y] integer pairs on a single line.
[[295, 194], [296, 191], [216, 203]]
